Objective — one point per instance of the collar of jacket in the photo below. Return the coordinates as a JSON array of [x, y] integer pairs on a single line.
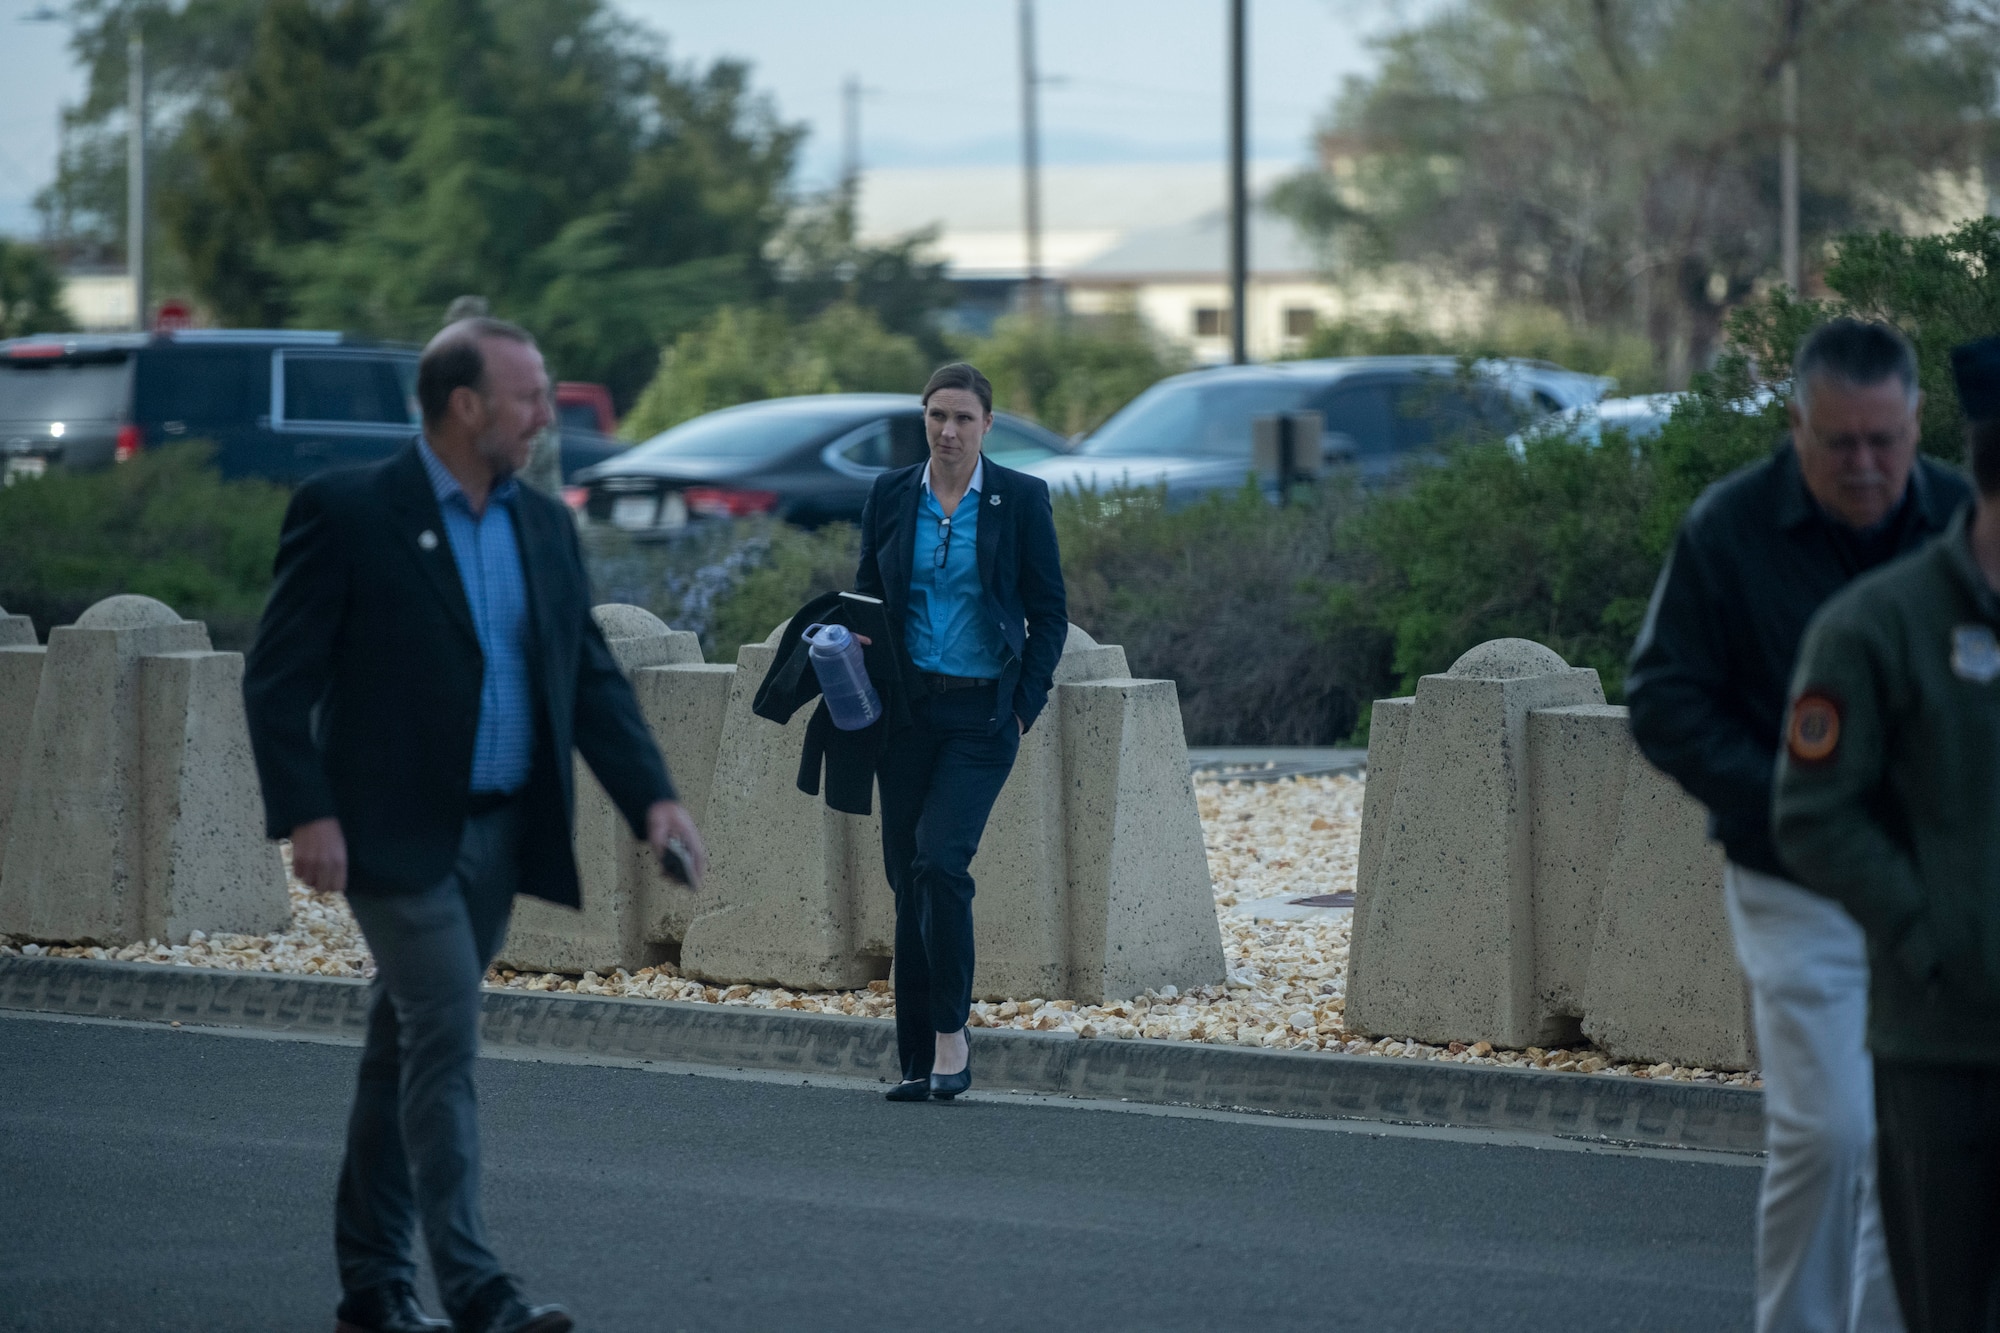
[[1796, 505], [997, 497], [1955, 549]]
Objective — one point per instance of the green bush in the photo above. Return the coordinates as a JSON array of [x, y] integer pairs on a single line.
[[745, 354], [164, 525], [1222, 597], [1561, 542], [729, 582], [1071, 374]]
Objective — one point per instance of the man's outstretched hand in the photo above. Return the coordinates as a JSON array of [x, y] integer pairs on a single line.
[[668, 822], [319, 855]]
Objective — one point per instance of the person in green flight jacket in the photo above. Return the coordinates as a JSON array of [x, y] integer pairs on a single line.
[[1888, 801]]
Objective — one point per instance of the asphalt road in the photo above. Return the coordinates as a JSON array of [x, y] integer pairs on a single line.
[[158, 1179]]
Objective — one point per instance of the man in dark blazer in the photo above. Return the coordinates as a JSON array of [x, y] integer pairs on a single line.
[[425, 665], [963, 554]]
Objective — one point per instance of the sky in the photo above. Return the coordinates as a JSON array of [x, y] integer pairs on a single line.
[[1127, 80]]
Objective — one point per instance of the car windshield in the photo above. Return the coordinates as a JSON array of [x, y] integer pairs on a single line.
[[752, 436], [1190, 418], [57, 390]]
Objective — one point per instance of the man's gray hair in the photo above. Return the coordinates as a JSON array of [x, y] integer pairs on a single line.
[[1857, 353]]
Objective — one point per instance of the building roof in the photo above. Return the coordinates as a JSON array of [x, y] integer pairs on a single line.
[[1086, 211], [1198, 250]]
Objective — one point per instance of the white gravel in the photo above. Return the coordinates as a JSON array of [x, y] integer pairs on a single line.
[[1286, 984]]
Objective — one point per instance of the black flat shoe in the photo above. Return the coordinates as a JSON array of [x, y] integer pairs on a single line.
[[944, 1087], [910, 1090]]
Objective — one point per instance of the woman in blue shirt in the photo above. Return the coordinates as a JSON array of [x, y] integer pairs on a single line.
[[963, 553]]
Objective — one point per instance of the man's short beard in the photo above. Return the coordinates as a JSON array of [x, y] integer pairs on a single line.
[[497, 461]]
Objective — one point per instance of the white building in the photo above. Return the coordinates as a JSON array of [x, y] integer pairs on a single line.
[[1149, 239]]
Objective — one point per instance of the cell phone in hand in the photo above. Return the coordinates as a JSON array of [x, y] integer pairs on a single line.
[[675, 865]]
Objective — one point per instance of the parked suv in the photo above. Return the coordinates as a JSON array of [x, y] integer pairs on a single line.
[[276, 404], [1192, 432]]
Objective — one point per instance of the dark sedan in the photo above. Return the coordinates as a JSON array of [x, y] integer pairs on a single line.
[[806, 460]]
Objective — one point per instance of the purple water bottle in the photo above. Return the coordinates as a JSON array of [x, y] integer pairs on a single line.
[[843, 678]]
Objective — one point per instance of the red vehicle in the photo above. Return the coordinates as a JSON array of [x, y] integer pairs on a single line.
[[581, 406]]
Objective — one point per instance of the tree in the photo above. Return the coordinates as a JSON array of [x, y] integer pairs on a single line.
[[359, 163], [1617, 160], [30, 291]]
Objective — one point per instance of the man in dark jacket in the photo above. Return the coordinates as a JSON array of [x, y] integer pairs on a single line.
[[1888, 801], [425, 665], [1758, 553]]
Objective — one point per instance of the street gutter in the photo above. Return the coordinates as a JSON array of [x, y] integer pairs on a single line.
[[1587, 1107]]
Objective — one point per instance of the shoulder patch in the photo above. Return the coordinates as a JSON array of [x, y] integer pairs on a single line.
[[1814, 733]]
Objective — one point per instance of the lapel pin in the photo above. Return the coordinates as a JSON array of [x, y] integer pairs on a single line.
[[994, 501], [427, 539]]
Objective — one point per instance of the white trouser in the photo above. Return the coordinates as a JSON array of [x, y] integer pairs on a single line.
[[1821, 1263]]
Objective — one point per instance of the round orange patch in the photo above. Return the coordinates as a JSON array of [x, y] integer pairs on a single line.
[[1815, 731]]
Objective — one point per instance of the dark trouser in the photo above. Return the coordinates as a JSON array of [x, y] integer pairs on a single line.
[[1938, 1136], [939, 780], [415, 1110]]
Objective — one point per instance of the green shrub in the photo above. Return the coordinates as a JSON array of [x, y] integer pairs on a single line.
[[1542, 545], [795, 568], [729, 582], [1221, 597], [164, 525], [1071, 374], [745, 354]]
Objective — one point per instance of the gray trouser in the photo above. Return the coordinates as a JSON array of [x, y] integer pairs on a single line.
[[1821, 1260], [415, 1111]]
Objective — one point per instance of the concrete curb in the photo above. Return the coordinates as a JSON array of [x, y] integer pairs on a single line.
[[1353, 1087]]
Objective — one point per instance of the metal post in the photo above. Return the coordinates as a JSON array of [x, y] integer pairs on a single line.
[[1239, 190], [1031, 160], [1788, 171], [135, 176], [850, 154]]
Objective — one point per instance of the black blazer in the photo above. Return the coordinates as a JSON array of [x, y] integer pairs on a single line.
[[362, 690], [848, 757], [1020, 573]]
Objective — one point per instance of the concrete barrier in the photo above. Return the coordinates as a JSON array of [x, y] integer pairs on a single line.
[[1093, 884], [617, 924], [16, 631], [1527, 878], [20, 681], [135, 811]]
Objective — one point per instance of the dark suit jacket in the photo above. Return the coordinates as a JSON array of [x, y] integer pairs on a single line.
[[362, 689], [1020, 574], [848, 757]]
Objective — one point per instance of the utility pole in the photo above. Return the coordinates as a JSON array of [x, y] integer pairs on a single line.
[[135, 176], [850, 149], [1788, 169], [1239, 188], [1031, 160], [1791, 36]]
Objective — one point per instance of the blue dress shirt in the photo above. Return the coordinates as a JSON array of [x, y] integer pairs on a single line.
[[489, 567], [949, 631]]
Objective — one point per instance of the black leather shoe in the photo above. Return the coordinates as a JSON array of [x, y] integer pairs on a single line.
[[390, 1307], [944, 1087], [910, 1090], [497, 1308]]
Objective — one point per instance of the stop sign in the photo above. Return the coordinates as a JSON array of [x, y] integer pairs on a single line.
[[175, 314]]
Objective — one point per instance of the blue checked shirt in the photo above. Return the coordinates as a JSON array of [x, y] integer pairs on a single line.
[[949, 631], [489, 566]]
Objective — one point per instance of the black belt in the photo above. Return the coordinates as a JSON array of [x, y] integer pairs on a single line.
[[939, 683], [486, 802]]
